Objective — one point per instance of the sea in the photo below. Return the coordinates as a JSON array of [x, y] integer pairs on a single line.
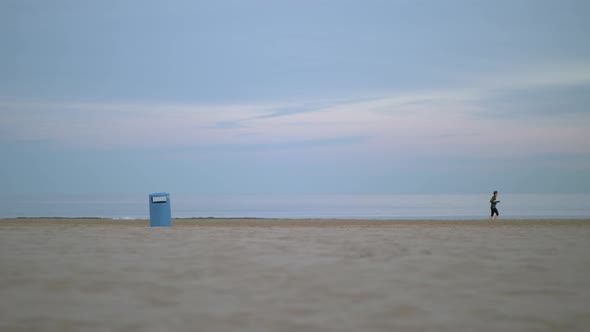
[[383, 206]]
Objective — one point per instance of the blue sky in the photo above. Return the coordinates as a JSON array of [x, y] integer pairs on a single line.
[[294, 96]]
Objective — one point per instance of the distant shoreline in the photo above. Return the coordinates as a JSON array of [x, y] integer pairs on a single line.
[[293, 206], [276, 222]]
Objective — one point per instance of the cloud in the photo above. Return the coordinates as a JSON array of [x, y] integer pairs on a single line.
[[539, 75], [287, 112], [291, 145], [555, 103], [517, 112], [227, 124]]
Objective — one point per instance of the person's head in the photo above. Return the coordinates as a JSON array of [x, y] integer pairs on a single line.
[[495, 192]]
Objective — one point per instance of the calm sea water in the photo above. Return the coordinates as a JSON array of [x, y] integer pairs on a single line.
[[135, 206]]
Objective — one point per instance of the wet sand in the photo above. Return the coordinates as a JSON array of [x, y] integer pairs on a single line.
[[294, 275]]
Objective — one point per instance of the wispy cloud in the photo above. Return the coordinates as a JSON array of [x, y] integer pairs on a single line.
[[535, 75], [503, 114], [287, 112], [286, 146]]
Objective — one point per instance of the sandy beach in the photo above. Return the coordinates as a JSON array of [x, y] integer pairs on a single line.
[[268, 222], [295, 275]]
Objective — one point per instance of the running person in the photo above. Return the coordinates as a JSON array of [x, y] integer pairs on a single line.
[[493, 201]]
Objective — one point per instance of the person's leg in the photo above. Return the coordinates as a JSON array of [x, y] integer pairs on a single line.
[[492, 213], [496, 212]]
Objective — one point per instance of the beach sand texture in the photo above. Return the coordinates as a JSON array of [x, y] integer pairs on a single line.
[[294, 275]]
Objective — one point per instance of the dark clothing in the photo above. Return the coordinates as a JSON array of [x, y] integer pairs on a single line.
[[493, 202], [494, 210]]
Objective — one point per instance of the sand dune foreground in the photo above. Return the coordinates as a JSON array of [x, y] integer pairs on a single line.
[[295, 275]]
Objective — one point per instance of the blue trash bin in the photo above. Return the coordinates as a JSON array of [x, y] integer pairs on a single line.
[[160, 215]]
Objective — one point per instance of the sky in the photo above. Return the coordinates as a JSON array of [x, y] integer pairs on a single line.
[[318, 97]]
